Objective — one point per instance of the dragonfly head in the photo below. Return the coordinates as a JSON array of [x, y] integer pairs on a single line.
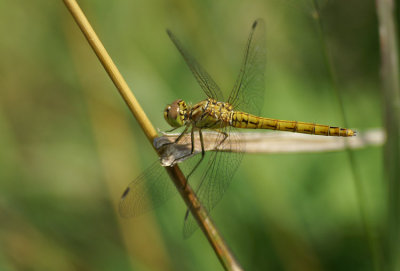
[[175, 113]]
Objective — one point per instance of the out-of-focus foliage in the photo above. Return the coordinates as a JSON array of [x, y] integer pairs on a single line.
[[69, 146]]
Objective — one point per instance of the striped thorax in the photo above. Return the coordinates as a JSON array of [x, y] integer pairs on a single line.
[[207, 114]]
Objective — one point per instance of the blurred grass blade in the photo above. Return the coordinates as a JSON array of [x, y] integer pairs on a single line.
[[360, 190], [391, 98]]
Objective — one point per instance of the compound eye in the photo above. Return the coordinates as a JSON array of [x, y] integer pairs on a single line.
[[173, 111]]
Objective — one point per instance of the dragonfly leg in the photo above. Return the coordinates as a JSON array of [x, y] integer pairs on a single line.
[[173, 129], [181, 135], [192, 148], [202, 156], [223, 140], [178, 138], [203, 153], [192, 143], [192, 151]]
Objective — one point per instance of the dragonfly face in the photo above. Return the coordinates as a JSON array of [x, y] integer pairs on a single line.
[[175, 113]]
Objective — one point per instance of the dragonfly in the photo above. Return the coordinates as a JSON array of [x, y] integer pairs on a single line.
[[240, 110]]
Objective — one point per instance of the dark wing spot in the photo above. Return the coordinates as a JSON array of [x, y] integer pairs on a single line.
[[254, 24], [125, 193]]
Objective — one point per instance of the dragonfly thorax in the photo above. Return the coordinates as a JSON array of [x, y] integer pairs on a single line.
[[175, 113]]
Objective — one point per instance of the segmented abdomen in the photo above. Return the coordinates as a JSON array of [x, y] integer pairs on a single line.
[[245, 120]]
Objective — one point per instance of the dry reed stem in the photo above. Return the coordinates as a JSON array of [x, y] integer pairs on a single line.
[[221, 249], [264, 143]]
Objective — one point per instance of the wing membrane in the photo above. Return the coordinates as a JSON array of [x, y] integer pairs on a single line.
[[203, 78], [150, 190], [248, 92], [217, 178]]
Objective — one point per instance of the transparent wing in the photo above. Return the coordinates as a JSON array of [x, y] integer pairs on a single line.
[[217, 177], [248, 92], [148, 191], [151, 189], [203, 78]]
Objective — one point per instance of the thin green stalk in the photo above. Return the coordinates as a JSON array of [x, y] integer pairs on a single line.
[[359, 188]]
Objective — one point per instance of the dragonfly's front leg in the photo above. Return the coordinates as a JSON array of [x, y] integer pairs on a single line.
[[178, 138], [203, 152], [169, 152], [192, 143], [173, 129], [192, 151], [201, 159]]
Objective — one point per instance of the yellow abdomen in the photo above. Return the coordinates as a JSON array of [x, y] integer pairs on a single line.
[[245, 120]]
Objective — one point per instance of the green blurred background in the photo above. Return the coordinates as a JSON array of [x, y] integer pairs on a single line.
[[69, 146]]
